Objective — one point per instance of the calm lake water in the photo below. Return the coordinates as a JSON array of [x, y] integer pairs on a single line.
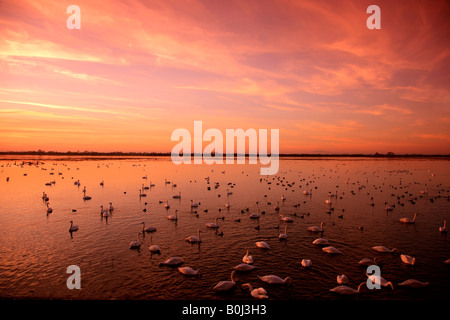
[[36, 248]]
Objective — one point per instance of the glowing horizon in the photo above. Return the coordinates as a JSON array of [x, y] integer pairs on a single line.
[[138, 70]]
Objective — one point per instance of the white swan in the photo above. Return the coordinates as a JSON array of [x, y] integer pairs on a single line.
[[443, 229], [286, 219], [136, 244], [369, 262], [316, 229], [259, 293], [424, 191], [148, 229], [213, 225], [85, 197], [177, 196], [226, 285], [49, 209], [194, 239], [254, 215], [262, 245], [408, 220], [413, 283], [283, 236], [307, 193], [272, 279], [104, 212], [188, 271], [380, 280], [142, 194], [194, 204], [111, 208], [72, 227], [320, 241], [408, 259], [306, 263], [331, 250], [172, 262], [227, 205], [244, 267], [173, 217], [384, 249], [283, 197], [277, 207], [167, 205], [342, 279], [247, 259], [153, 247], [347, 290]]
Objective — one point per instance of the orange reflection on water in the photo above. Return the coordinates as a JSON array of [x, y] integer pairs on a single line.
[[36, 247]]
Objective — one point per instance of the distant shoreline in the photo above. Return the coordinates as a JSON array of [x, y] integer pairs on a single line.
[[166, 154]]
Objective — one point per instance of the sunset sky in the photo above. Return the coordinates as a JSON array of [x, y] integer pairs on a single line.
[[137, 70]]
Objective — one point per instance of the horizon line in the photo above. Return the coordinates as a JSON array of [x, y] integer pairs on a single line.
[[122, 153]]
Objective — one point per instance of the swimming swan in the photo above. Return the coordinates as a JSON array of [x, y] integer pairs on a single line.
[[259, 293], [225, 285], [272, 279], [347, 290]]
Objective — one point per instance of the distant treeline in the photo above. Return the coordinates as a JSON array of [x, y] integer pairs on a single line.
[[82, 153], [153, 154]]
